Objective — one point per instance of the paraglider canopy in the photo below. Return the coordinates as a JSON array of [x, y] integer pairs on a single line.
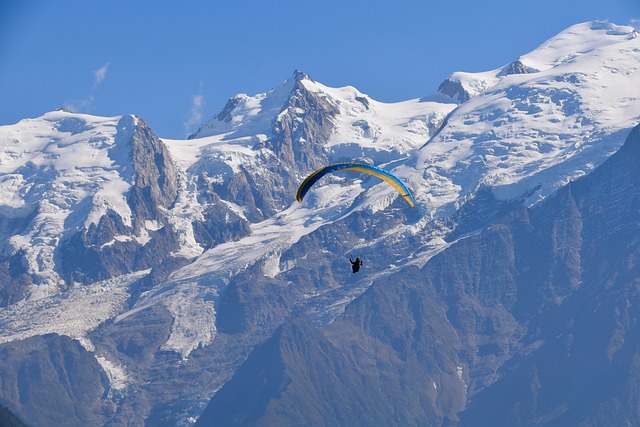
[[383, 174]]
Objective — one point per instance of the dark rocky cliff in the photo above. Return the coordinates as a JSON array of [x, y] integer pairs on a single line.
[[154, 188], [55, 382]]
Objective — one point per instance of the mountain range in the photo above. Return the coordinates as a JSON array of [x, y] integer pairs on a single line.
[[149, 281]]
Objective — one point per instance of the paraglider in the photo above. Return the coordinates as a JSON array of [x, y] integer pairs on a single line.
[[355, 265], [383, 174]]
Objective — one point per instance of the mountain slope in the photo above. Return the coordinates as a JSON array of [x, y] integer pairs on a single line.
[[587, 335], [55, 382], [495, 270], [532, 320]]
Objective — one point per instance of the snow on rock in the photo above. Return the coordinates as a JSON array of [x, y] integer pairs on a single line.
[[58, 167], [382, 132], [461, 86], [74, 314], [537, 131], [116, 373], [245, 115], [191, 291], [364, 128]]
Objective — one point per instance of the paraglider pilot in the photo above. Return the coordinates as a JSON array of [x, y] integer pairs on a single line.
[[355, 265]]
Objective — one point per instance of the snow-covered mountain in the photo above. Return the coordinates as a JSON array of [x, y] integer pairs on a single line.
[[542, 124], [170, 261]]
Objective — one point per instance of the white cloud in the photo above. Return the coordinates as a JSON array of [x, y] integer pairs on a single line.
[[86, 105], [195, 114], [100, 74], [79, 105]]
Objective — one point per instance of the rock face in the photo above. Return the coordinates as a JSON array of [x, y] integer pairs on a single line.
[[362, 370], [109, 248], [517, 67], [9, 419], [293, 148], [578, 362], [154, 177], [14, 280], [531, 321], [454, 89], [55, 382], [115, 246], [299, 135]]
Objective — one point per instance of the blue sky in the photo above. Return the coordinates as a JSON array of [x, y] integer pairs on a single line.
[[175, 63]]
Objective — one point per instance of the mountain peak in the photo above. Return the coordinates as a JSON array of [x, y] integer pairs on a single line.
[[299, 75], [517, 67], [461, 87], [575, 41], [563, 48], [252, 114]]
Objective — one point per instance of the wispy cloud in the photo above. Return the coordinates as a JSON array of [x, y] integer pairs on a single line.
[[194, 117], [86, 105], [100, 74], [79, 105]]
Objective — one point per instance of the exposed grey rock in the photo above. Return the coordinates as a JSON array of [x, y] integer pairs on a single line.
[[94, 253], [225, 114], [221, 224], [53, 382], [9, 419], [300, 133], [295, 149], [454, 89], [578, 361], [155, 182], [14, 275], [364, 100], [517, 67], [135, 343], [365, 369], [14, 279]]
